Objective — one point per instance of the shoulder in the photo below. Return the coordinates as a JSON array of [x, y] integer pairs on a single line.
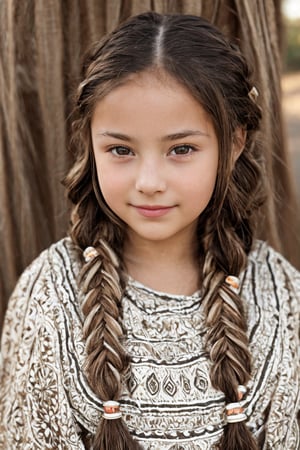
[[50, 280], [61, 259], [271, 290], [62, 255], [64, 260], [264, 254], [271, 264], [45, 297], [42, 345], [274, 283]]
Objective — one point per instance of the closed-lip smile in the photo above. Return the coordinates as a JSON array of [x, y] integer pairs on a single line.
[[153, 207], [153, 210]]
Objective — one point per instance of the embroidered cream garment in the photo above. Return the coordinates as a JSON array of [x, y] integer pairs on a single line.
[[168, 401]]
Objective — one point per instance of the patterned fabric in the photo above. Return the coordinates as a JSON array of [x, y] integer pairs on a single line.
[[168, 401]]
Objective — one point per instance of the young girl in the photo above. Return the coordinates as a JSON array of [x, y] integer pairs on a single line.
[[160, 323]]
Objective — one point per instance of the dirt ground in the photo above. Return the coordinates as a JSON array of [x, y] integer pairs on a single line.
[[291, 110]]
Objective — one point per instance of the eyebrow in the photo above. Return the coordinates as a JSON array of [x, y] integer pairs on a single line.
[[169, 137]]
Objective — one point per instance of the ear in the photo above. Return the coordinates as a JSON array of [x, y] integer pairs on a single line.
[[239, 140]]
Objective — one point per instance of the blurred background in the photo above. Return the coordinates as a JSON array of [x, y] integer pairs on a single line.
[[291, 82]]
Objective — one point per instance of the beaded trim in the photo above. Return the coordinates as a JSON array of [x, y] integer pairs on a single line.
[[111, 410]]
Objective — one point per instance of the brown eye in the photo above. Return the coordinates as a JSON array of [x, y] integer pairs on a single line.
[[182, 150], [121, 151]]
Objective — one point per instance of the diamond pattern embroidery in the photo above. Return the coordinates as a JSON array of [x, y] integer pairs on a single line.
[[169, 386], [132, 384], [185, 382], [152, 384], [200, 381]]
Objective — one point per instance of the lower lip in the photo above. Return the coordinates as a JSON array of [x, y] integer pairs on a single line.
[[153, 212]]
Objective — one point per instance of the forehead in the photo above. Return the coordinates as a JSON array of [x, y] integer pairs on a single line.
[[152, 100]]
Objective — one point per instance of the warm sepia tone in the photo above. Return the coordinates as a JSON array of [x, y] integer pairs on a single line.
[[40, 52]]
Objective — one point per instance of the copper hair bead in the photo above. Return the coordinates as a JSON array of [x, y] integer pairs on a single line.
[[111, 410], [232, 281], [235, 411]]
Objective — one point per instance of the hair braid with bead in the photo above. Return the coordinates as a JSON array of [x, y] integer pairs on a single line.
[[106, 358], [219, 79]]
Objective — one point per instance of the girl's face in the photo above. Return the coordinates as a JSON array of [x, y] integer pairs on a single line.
[[156, 155]]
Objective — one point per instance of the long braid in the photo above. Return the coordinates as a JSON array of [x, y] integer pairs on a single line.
[[102, 329], [228, 240], [106, 359], [227, 344]]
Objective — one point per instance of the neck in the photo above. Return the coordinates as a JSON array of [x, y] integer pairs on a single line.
[[140, 251], [169, 266]]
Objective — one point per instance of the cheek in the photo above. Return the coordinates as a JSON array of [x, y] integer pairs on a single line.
[[198, 192], [200, 186], [112, 185]]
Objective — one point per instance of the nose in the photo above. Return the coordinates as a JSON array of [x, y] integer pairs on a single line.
[[150, 177]]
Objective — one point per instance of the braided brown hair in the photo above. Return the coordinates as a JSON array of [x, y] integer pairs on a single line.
[[197, 55]]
